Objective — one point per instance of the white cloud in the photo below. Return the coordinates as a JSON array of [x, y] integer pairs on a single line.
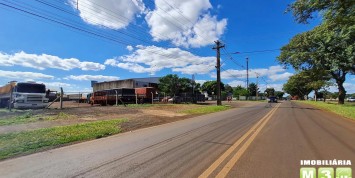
[[280, 77], [23, 76], [275, 73], [200, 81], [129, 48], [44, 61], [109, 13], [56, 84], [196, 28], [236, 83], [151, 59], [91, 77], [277, 87]]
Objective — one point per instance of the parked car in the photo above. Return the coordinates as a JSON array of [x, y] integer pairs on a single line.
[[272, 99], [351, 99], [175, 99]]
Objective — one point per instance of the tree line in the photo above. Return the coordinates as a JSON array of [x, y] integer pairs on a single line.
[[172, 85]]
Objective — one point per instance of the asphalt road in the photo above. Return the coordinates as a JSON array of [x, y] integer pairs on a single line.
[[263, 140]]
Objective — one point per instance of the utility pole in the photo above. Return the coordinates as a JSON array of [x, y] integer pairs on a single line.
[[257, 86], [218, 47], [248, 77]]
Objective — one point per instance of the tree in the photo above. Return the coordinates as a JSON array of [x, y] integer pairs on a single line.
[[253, 88], [169, 84], [211, 86], [197, 87], [240, 91], [296, 85], [185, 85], [323, 49], [339, 11], [270, 92], [329, 46], [228, 89], [279, 94]]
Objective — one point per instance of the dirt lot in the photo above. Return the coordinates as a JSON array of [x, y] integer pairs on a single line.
[[138, 116]]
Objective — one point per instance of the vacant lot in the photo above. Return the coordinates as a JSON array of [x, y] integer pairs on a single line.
[[26, 131]]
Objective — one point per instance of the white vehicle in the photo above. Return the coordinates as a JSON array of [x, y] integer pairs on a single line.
[[23, 95], [351, 99]]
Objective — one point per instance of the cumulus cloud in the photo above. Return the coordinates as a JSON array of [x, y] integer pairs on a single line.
[[236, 83], [44, 61], [129, 48], [274, 73], [186, 23], [151, 59], [200, 81], [26, 76], [91, 77], [111, 14], [280, 77], [277, 87], [56, 84]]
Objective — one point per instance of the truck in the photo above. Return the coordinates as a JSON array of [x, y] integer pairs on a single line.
[[23, 95]]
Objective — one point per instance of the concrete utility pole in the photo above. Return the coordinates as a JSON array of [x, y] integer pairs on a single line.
[[218, 47], [257, 86], [247, 73], [248, 78]]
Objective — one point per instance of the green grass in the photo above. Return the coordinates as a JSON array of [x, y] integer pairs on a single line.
[[347, 110], [139, 105], [206, 109], [26, 142], [28, 117]]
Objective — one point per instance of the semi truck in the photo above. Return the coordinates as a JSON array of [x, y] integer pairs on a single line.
[[23, 95]]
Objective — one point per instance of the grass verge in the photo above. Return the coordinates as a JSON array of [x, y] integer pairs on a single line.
[[26, 142], [347, 110], [206, 109], [28, 117]]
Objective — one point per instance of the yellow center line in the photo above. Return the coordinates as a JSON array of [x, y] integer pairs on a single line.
[[224, 172], [214, 166]]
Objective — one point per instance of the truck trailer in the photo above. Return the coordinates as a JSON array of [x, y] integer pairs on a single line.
[[113, 96], [23, 95]]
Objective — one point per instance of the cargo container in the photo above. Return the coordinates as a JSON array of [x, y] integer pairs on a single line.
[[23, 95], [113, 96], [145, 94]]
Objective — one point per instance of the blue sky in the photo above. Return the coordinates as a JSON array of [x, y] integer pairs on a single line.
[[109, 40]]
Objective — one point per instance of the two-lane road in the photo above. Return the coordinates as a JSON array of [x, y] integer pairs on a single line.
[[263, 140]]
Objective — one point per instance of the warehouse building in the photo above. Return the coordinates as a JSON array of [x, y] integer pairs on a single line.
[[127, 83]]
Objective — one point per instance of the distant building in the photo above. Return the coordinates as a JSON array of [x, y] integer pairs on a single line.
[[127, 83]]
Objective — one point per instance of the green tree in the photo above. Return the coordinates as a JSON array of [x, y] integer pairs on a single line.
[[211, 86], [270, 92], [185, 85], [253, 88], [240, 91], [228, 89], [329, 46], [339, 11], [279, 94], [297, 86], [169, 84]]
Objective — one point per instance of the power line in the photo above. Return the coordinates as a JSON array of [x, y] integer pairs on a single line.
[[233, 60], [71, 26]]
